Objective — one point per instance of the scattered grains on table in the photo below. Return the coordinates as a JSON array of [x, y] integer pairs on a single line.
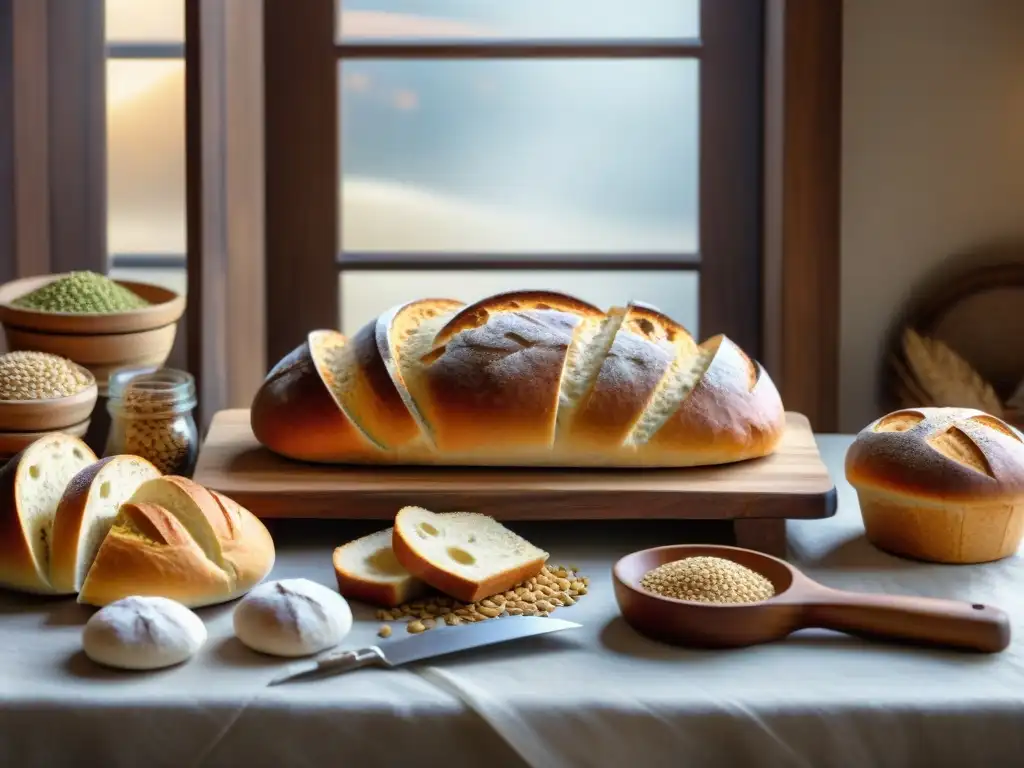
[[26, 375], [708, 580], [553, 588], [384, 631], [82, 293]]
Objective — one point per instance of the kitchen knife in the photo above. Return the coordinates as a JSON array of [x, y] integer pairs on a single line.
[[437, 642]]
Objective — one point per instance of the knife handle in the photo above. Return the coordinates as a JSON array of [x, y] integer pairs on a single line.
[[346, 661]]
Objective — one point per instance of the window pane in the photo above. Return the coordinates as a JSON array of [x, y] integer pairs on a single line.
[[145, 21], [447, 19], [146, 156], [519, 156], [172, 279], [364, 295]]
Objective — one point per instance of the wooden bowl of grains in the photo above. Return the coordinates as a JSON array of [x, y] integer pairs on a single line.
[[40, 392], [99, 323]]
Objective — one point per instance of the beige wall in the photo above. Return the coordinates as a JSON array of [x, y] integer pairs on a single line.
[[933, 159]]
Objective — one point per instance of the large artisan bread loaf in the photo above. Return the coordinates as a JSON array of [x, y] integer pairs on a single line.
[[525, 378]]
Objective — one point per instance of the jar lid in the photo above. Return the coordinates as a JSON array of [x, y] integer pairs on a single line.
[[152, 389]]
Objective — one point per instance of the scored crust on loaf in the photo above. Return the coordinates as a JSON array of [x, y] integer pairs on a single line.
[[367, 570], [194, 507], [636, 364], [466, 555], [31, 486], [86, 511], [938, 456], [404, 335], [149, 552], [160, 544], [499, 362], [524, 378], [295, 412]]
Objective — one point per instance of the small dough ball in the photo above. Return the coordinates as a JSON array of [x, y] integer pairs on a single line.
[[292, 617], [143, 633]]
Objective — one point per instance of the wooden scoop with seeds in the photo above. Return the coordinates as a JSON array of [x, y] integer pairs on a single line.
[[798, 603]]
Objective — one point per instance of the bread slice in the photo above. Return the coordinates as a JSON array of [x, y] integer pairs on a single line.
[[31, 486], [178, 539], [405, 336], [367, 570], [295, 413], [85, 513], [609, 384], [466, 555]]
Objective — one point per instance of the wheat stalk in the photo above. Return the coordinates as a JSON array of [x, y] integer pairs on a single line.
[[947, 378], [909, 392]]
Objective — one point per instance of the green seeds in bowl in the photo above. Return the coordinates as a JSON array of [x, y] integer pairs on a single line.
[[82, 293]]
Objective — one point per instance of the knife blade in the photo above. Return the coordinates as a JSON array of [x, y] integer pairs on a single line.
[[438, 642]]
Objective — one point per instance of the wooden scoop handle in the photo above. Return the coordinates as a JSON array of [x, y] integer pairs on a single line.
[[920, 620]]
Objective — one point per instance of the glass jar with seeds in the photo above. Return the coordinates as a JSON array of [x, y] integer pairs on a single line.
[[151, 415]]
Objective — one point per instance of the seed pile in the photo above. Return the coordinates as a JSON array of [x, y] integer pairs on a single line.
[[39, 376], [708, 580], [82, 293], [155, 431], [554, 587]]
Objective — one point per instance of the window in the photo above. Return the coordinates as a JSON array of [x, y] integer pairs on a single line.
[[583, 146], [146, 141]]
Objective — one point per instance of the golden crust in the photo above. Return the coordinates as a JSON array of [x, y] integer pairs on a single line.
[[483, 385], [150, 551], [938, 456], [295, 415], [172, 566], [640, 356], [70, 516], [733, 413], [503, 371]]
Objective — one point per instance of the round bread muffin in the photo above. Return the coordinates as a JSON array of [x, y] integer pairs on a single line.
[[943, 485], [292, 617], [143, 633]]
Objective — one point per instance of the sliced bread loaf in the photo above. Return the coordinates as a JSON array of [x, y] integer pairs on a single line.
[[85, 513], [367, 570], [466, 555]]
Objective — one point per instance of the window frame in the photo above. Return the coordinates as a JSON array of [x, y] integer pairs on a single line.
[[303, 253], [53, 217]]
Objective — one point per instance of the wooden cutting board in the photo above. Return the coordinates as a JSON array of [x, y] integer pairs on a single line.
[[756, 495]]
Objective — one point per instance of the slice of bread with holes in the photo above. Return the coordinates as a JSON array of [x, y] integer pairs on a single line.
[[174, 538], [466, 555], [367, 570], [85, 513], [31, 486]]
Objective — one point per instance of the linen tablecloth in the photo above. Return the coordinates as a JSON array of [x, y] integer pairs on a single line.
[[591, 697]]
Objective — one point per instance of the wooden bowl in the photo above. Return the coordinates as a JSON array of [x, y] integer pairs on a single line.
[[799, 603], [12, 442], [704, 625], [101, 354], [52, 415], [166, 307]]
